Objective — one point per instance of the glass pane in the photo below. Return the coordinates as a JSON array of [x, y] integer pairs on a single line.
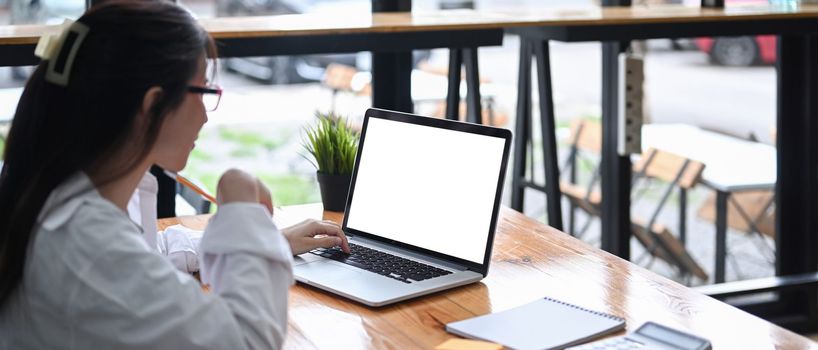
[[267, 102], [5, 16], [43, 11], [709, 101]]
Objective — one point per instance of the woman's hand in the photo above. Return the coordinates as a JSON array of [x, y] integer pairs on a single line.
[[238, 186], [310, 234]]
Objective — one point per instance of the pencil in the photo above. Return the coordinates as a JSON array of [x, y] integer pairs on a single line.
[[185, 182]]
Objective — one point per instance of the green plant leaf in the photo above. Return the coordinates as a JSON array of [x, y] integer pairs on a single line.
[[332, 143]]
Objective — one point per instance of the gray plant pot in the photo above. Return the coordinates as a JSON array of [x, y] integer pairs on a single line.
[[334, 190]]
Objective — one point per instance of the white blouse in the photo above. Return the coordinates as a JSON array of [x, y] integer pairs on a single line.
[[91, 282]]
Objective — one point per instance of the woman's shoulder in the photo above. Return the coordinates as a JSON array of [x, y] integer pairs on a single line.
[[77, 225], [98, 223], [92, 229], [98, 211], [63, 254]]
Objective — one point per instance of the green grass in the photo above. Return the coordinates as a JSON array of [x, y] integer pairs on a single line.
[[286, 189], [198, 155], [209, 180], [243, 152], [252, 138], [291, 189]]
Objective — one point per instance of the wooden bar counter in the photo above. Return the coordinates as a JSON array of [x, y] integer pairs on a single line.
[[450, 20], [530, 261], [324, 24]]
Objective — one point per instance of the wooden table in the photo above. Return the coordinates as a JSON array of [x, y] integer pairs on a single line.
[[531, 260]]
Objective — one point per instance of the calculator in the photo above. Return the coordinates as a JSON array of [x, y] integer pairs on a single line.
[[651, 336]]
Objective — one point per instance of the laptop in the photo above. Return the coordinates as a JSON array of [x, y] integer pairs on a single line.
[[421, 211]]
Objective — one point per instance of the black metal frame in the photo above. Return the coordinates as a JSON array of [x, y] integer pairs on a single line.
[[379, 43], [626, 32], [522, 128], [466, 58], [539, 50], [797, 186], [616, 169], [721, 235], [796, 306], [724, 291], [17, 55]]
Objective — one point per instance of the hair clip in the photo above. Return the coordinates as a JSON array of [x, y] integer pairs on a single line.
[[60, 49]]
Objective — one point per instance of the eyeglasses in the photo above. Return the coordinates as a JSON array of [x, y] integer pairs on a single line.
[[210, 96]]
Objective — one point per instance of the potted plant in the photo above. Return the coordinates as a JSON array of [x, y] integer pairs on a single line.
[[332, 144]]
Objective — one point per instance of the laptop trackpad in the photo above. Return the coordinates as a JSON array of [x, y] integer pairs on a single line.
[[326, 271], [306, 258]]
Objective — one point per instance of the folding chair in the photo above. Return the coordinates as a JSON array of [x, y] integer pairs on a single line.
[[339, 77], [586, 142], [677, 172], [490, 115]]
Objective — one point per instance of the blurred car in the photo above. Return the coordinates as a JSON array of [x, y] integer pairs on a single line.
[[739, 51]]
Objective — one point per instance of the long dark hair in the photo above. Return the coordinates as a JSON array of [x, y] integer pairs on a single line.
[[131, 46]]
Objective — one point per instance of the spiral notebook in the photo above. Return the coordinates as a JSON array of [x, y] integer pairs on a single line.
[[543, 324]]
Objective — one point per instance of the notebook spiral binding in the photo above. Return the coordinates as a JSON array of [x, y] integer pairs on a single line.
[[599, 313]]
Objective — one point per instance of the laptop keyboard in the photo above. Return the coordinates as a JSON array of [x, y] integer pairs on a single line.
[[382, 263]]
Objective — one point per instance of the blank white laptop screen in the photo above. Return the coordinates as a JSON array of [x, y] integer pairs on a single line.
[[429, 187]]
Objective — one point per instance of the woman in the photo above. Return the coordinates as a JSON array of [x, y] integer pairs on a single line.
[[122, 90]]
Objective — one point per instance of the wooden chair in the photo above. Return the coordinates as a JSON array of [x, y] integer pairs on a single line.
[[675, 171], [490, 116], [339, 77], [585, 142]]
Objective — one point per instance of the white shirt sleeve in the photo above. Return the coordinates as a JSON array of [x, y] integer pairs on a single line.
[[133, 299], [239, 235]]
